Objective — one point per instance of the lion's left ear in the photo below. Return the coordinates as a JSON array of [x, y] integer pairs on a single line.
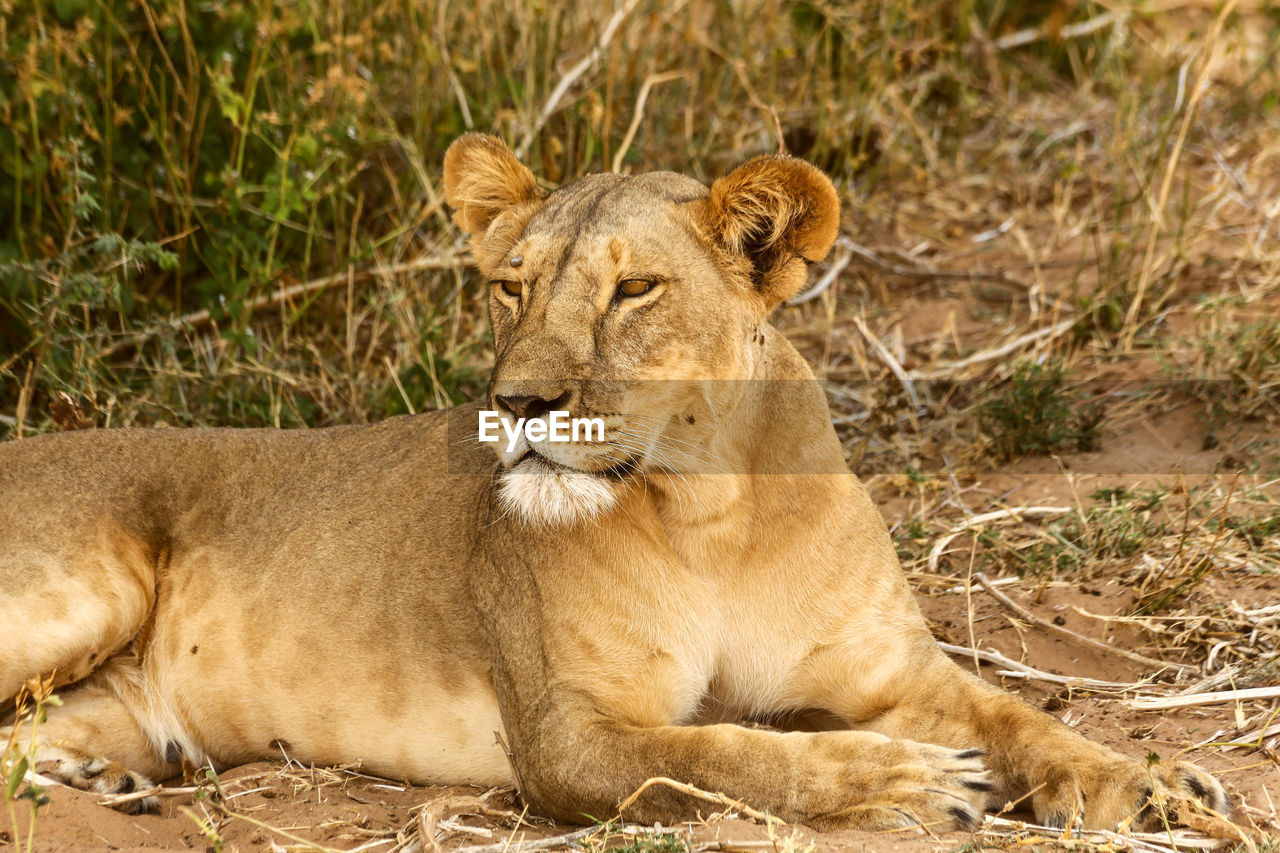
[[483, 180], [777, 212]]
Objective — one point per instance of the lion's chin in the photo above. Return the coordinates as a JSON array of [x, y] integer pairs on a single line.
[[542, 492]]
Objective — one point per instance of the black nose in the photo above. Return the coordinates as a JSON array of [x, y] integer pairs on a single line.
[[523, 406]]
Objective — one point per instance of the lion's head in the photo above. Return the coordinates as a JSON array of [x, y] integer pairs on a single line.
[[631, 300]]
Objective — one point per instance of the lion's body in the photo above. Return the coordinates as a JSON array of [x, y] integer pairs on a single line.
[[392, 594], [247, 575]]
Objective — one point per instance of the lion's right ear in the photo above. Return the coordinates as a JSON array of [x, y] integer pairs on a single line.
[[777, 212], [483, 179]]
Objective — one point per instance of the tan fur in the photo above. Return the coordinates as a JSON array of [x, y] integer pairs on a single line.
[[398, 594]]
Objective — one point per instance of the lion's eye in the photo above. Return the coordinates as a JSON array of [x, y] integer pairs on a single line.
[[511, 288], [635, 286]]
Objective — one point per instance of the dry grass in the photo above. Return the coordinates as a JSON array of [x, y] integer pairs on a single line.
[[1100, 178]]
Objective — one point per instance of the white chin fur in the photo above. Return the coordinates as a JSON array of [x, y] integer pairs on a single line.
[[541, 493]]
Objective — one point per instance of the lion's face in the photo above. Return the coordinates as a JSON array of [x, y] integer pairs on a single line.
[[630, 300]]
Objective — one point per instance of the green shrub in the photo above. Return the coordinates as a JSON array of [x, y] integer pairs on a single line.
[[1036, 412]]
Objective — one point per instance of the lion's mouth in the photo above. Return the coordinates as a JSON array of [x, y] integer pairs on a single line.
[[619, 471]]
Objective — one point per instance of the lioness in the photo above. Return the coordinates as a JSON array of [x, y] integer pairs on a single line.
[[394, 594]]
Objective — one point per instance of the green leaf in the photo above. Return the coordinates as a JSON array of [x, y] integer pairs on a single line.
[[305, 150], [37, 794], [15, 776]]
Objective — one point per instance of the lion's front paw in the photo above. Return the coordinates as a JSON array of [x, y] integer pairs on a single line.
[[1123, 793], [78, 769], [1190, 782], [919, 784]]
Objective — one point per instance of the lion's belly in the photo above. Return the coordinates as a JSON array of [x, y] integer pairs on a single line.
[[430, 735], [385, 666], [398, 720]]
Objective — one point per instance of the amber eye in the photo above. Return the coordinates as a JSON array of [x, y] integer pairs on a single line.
[[635, 287], [511, 288]]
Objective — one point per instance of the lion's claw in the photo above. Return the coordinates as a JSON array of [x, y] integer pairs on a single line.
[[919, 785]]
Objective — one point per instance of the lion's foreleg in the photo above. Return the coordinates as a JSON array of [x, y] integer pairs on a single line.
[[579, 766], [1064, 776]]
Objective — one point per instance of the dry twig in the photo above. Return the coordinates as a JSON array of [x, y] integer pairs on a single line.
[[1153, 703], [1015, 512], [892, 363], [828, 278], [692, 791], [201, 318], [1032, 835], [571, 76], [1021, 670], [948, 369], [538, 843], [1071, 31], [924, 273], [1022, 612], [641, 99], [158, 791]]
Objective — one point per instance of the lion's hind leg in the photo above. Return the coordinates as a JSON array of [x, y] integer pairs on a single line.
[[68, 603], [72, 596], [85, 771], [93, 741]]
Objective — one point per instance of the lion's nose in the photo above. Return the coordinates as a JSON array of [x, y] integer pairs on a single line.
[[529, 406]]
